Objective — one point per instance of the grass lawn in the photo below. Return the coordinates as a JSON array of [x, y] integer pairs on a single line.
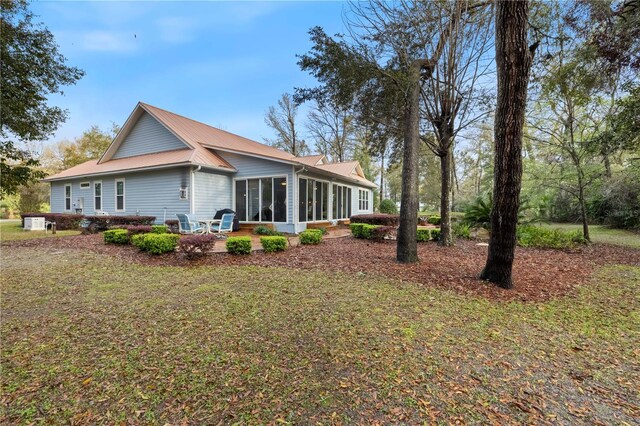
[[90, 339], [602, 234], [12, 230]]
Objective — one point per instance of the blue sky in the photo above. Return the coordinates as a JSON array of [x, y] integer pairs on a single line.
[[222, 63]]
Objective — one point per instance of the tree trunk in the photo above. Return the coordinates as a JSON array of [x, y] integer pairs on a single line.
[[407, 244], [445, 202], [583, 205], [382, 178], [607, 165], [513, 61]]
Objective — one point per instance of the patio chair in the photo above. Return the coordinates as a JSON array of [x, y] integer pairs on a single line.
[[187, 226], [225, 225]]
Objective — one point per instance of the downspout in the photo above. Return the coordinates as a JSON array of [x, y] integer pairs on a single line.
[[192, 204]]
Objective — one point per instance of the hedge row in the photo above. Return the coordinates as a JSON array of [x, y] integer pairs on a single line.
[[379, 233], [100, 223], [376, 219]]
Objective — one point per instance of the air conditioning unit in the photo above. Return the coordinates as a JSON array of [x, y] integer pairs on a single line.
[[34, 224]]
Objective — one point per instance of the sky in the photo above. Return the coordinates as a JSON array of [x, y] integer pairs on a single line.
[[222, 63]]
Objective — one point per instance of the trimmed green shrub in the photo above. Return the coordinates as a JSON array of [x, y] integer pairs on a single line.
[[116, 236], [274, 243], [367, 231], [137, 240], [435, 234], [194, 246], [160, 229], [356, 229], [424, 235], [239, 245], [323, 230], [158, 243], [265, 230], [461, 230], [311, 236], [536, 236], [388, 207], [434, 220]]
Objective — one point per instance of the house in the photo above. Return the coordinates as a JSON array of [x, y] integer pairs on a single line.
[[161, 163]]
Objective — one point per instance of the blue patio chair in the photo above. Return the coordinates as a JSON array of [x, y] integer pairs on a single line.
[[187, 226], [225, 225]]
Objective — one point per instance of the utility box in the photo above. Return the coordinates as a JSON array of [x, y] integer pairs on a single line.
[[34, 224]]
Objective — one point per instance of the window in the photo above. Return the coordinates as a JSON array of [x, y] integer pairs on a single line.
[[313, 199], [363, 199], [341, 202], [184, 193], [120, 195], [67, 197], [85, 185], [97, 196], [261, 200]]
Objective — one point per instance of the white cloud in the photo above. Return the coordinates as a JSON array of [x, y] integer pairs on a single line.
[[108, 41]]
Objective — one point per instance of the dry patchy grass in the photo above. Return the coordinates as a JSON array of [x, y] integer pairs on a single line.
[[91, 339]]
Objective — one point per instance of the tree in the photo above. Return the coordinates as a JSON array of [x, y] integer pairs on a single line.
[[513, 62], [90, 146], [333, 129], [32, 68], [282, 119]]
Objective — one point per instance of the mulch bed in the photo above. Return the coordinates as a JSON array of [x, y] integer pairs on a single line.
[[539, 275]]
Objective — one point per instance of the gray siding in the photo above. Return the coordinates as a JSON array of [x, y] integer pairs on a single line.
[[146, 137], [212, 192], [146, 193], [257, 167]]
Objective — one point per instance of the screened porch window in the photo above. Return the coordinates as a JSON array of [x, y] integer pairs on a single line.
[[261, 200], [313, 200], [341, 202]]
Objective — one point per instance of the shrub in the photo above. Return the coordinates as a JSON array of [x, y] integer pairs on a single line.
[[311, 236], [138, 229], [64, 221], [388, 207], [101, 223], [376, 219], [157, 243], [461, 230], [194, 246], [379, 233], [356, 229], [274, 243], [137, 240], [435, 234], [536, 236], [239, 245], [173, 226], [424, 235], [116, 236], [367, 231], [160, 229], [265, 230], [434, 220]]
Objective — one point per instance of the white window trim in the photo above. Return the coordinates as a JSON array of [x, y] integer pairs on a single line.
[[124, 191], [344, 186], [101, 195], [70, 197], [329, 199], [247, 178], [363, 200]]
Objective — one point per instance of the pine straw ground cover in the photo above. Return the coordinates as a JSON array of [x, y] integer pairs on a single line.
[[90, 338], [539, 274]]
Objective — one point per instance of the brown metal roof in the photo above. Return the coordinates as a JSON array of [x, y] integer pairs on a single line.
[[159, 159], [202, 139]]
